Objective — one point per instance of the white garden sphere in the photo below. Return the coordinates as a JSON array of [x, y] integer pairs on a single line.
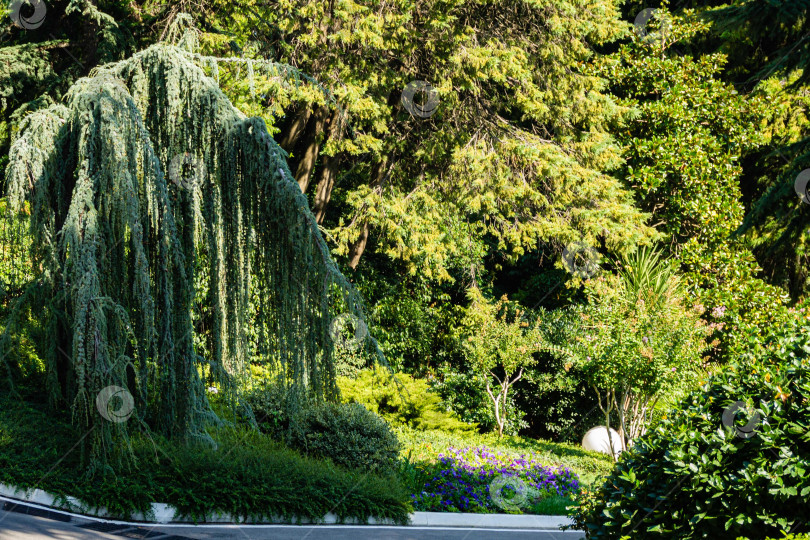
[[597, 440]]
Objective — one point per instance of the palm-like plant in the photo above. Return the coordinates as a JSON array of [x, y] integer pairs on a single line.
[[639, 341], [646, 276]]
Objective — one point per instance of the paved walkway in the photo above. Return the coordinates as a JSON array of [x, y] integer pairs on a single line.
[[16, 526]]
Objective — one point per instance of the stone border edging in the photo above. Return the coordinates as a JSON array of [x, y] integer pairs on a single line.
[[508, 521], [166, 514]]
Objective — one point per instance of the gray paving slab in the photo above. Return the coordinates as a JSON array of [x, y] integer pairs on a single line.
[[17, 526]]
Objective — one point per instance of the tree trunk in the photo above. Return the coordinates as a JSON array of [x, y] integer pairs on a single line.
[[496, 401], [89, 43], [323, 190], [295, 130], [356, 250], [606, 410], [328, 172], [310, 147], [620, 404], [500, 411], [506, 385]]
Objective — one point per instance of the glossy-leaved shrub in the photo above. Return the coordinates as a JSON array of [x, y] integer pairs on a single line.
[[348, 434], [706, 471]]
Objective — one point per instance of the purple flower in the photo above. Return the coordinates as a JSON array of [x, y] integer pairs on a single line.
[[462, 479]]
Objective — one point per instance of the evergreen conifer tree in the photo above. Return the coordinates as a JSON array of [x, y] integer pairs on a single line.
[[157, 209]]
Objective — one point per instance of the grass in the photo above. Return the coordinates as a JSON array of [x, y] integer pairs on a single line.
[[552, 506], [247, 475]]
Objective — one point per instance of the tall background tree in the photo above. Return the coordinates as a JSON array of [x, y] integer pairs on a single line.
[[514, 152], [684, 158]]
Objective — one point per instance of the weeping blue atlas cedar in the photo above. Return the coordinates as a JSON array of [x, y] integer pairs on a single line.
[[135, 263]]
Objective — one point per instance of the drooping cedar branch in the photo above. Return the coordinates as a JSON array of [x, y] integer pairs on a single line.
[[155, 204]]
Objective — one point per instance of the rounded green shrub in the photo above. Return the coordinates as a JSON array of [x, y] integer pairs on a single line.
[[271, 405], [708, 472], [348, 434]]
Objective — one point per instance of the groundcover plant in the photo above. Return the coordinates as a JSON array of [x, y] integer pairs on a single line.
[[479, 480]]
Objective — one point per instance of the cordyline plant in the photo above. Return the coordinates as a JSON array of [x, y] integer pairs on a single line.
[[163, 223], [638, 341]]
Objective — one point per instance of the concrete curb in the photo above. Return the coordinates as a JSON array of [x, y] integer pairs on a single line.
[[45, 504], [489, 521]]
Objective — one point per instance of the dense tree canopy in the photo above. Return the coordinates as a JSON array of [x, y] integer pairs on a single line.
[[493, 225], [517, 150], [684, 158]]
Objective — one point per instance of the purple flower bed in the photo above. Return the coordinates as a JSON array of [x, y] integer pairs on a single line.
[[460, 481]]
